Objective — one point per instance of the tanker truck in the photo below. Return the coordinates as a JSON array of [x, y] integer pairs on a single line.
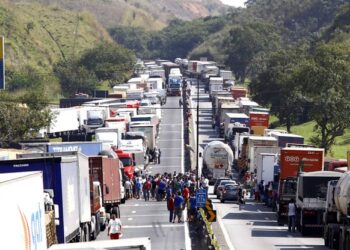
[[336, 231], [217, 160]]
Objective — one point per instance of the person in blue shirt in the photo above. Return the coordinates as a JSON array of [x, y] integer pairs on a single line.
[[178, 207], [192, 210]]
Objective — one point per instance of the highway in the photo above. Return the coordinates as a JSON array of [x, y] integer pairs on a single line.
[[254, 226], [150, 219]]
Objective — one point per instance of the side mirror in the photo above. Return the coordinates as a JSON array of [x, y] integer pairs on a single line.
[[107, 189]]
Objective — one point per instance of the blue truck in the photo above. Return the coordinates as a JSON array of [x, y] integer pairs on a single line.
[[68, 184]]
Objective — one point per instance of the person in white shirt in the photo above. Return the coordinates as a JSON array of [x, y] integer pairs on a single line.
[[114, 228], [291, 215]]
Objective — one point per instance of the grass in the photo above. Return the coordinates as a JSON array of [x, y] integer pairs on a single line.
[[39, 36], [342, 143]]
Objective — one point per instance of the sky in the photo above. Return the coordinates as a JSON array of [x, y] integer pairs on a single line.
[[235, 3]]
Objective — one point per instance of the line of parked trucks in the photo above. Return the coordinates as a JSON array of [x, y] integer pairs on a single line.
[[319, 186], [64, 192]]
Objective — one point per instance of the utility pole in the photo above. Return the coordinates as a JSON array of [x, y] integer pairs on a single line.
[[197, 132]]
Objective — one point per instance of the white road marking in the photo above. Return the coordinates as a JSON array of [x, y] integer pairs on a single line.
[[154, 226], [148, 215], [136, 205], [130, 218], [224, 231], [133, 212]]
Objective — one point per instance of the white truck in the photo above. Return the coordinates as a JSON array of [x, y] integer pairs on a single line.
[[68, 185], [22, 213], [108, 136], [65, 120], [336, 230], [255, 163], [95, 118], [215, 84], [267, 167], [137, 149], [149, 131], [217, 159]]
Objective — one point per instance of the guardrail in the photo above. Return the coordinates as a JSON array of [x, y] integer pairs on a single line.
[[208, 233]]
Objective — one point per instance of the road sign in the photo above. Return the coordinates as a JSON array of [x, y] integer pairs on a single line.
[[2, 63], [211, 215], [201, 197]]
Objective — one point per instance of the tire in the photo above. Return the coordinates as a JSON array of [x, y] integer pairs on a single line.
[[93, 234], [98, 225], [222, 201], [87, 233]]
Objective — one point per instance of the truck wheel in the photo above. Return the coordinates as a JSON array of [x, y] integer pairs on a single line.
[[86, 233]]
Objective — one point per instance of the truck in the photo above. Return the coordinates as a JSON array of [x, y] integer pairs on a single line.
[[169, 68], [218, 100], [234, 118], [127, 159], [67, 182], [136, 149], [285, 138], [108, 136], [258, 122], [311, 200], [121, 244], [293, 160], [23, 211], [267, 169], [215, 84], [258, 141], [336, 230], [174, 85], [134, 94], [234, 130], [107, 172], [152, 119], [238, 92], [255, 161], [225, 108], [149, 131], [95, 119], [65, 120], [217, 160]]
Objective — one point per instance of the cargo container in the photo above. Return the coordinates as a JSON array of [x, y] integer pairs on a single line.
[[268, 169], [22, 212], [293, 160], [235, 118], [285, 138], [69, 185], [255, 161], [258, 122], [238, 92]]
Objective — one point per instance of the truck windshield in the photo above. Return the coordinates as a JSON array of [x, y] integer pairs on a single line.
[[126, 161], [315, 187], [94, 121], [290, 187]]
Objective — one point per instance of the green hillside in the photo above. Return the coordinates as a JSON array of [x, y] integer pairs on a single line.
[[40, 36]]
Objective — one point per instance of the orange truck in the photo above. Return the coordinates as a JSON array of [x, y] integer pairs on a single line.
[[258, 121], [238, 92], [292, 161]]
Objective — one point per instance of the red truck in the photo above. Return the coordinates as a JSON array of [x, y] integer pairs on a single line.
[[128, 162], [292, 161], [238, 92], [106, 189]]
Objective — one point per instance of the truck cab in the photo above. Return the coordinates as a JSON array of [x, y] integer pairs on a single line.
[[128, 162]]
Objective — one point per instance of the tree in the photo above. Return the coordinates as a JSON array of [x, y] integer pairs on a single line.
[[275, 86], [245, 42], [109, 62], [325, 78], [75, 78], [21, 118], [27, 78]]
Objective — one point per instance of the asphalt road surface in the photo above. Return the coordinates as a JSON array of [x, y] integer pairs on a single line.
[[151, 218], [254, 226]]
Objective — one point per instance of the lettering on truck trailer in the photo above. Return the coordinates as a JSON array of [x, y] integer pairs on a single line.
[[58, 149], [32, 234]]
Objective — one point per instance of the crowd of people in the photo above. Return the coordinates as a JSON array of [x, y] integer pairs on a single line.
[[178, 190]]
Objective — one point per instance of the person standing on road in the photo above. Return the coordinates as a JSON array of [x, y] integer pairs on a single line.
[[146, 189], [291, 215], [158, 155], [178, 207], [128, 189], [170, 205], [114, 228], [138, 185], [180, 102]]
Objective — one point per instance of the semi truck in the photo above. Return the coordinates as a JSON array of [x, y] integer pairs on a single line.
[[22, 211], [136, 148], [231, 119], [217, 160], [292, 161], [267, 169], [336, 231], [311, 200], [258, 122], [174, 85], [107, 172], [238, 92], [255, 162], [286, 138], [149, 131], [108, 136], [68, 184]]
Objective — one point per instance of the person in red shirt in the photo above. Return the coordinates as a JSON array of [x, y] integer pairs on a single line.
[[146, 189], [186, 194], [171, 207]]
